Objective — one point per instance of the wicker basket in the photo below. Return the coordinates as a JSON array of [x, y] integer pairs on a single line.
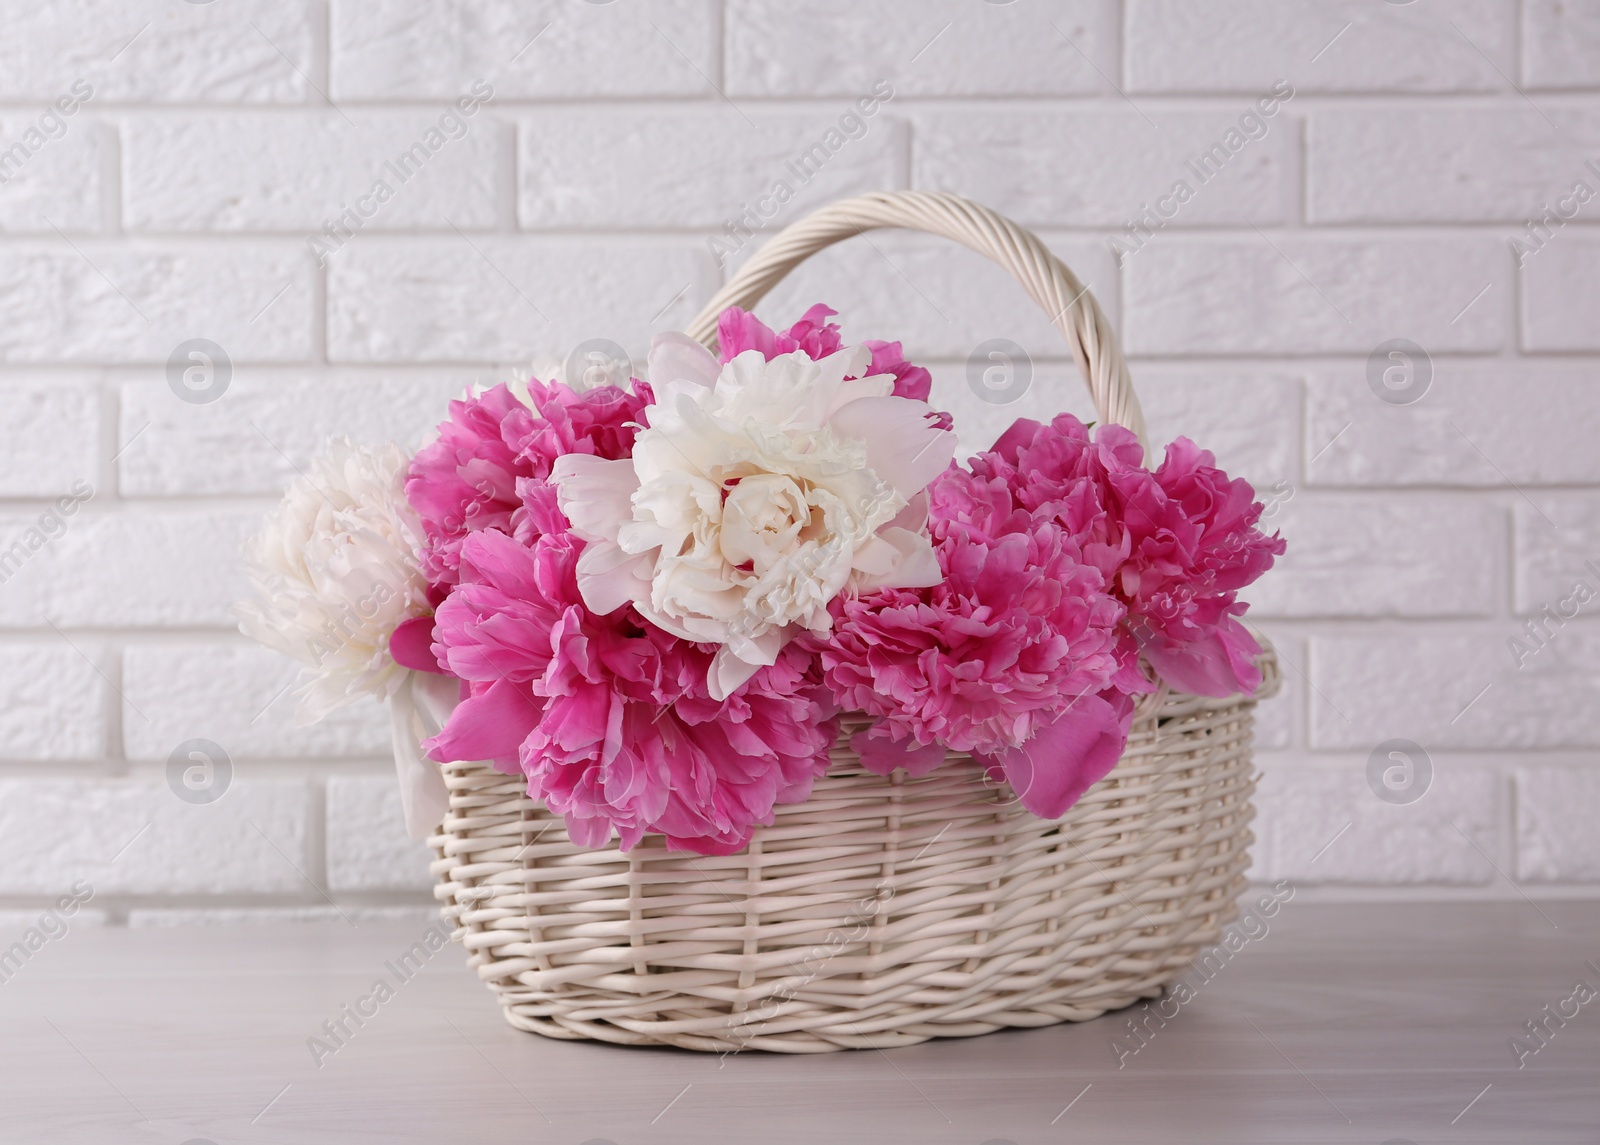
[[883, 911]]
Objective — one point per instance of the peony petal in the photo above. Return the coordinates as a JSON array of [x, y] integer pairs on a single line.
[[900, 559], [609, 578], [411, 645], [881, 755], [903, 447], [854, 389], [676, 357], [1220, 663], [728, 673], [1059, 762], [490, 725], [594, 493]]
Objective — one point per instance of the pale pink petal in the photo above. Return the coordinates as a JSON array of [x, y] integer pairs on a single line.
[[896, 558], [728, 671], [676, 357], [609, 578], [594, 493], [903, 447]]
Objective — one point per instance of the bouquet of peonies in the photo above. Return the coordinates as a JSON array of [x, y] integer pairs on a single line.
[[655, 602]]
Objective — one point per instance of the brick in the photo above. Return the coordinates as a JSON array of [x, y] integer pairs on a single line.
[[1312, 295], [51, 166], [268, 428], [254, 51], [56, 831], [55, 701], [1456, 691], [1471, 428], [238, 696], [1560, 44], [268, 171], [694, 168], [13, 921], [527, 49], [1556, 841], [1558, 310], [924, 47], [51, 427], [1249, 45], [1379, 555], [1304, 809], [938, 299], [1278, 717], [126, 569], [1251, 422], [1396, 164], [420, 916], [368, 849], [495, 299], [1557, 537], [115, 301], [1109, 166]]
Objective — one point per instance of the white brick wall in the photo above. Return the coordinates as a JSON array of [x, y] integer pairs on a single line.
[[177, 201]]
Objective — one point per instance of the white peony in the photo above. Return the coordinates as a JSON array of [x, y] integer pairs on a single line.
[[335, 572], [758, 492]]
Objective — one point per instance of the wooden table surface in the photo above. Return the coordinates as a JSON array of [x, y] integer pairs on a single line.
[[1344, 1023]]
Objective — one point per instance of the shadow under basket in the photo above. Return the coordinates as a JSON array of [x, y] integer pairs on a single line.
[[881, 912]]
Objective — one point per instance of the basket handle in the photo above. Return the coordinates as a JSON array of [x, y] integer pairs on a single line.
[[1044, 276]]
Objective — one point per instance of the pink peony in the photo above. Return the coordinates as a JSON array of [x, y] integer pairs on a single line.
[[1010, 654], [1064, 559], [467, 480], [609, 717], [739, 330], [1184, 539]]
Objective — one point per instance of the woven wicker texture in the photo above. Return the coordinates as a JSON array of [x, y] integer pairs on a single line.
[[883, 911]]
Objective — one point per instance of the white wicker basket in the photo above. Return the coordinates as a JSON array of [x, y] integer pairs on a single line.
[[883, 911]]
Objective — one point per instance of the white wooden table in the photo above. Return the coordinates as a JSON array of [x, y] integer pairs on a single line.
[[1343, 1024]]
